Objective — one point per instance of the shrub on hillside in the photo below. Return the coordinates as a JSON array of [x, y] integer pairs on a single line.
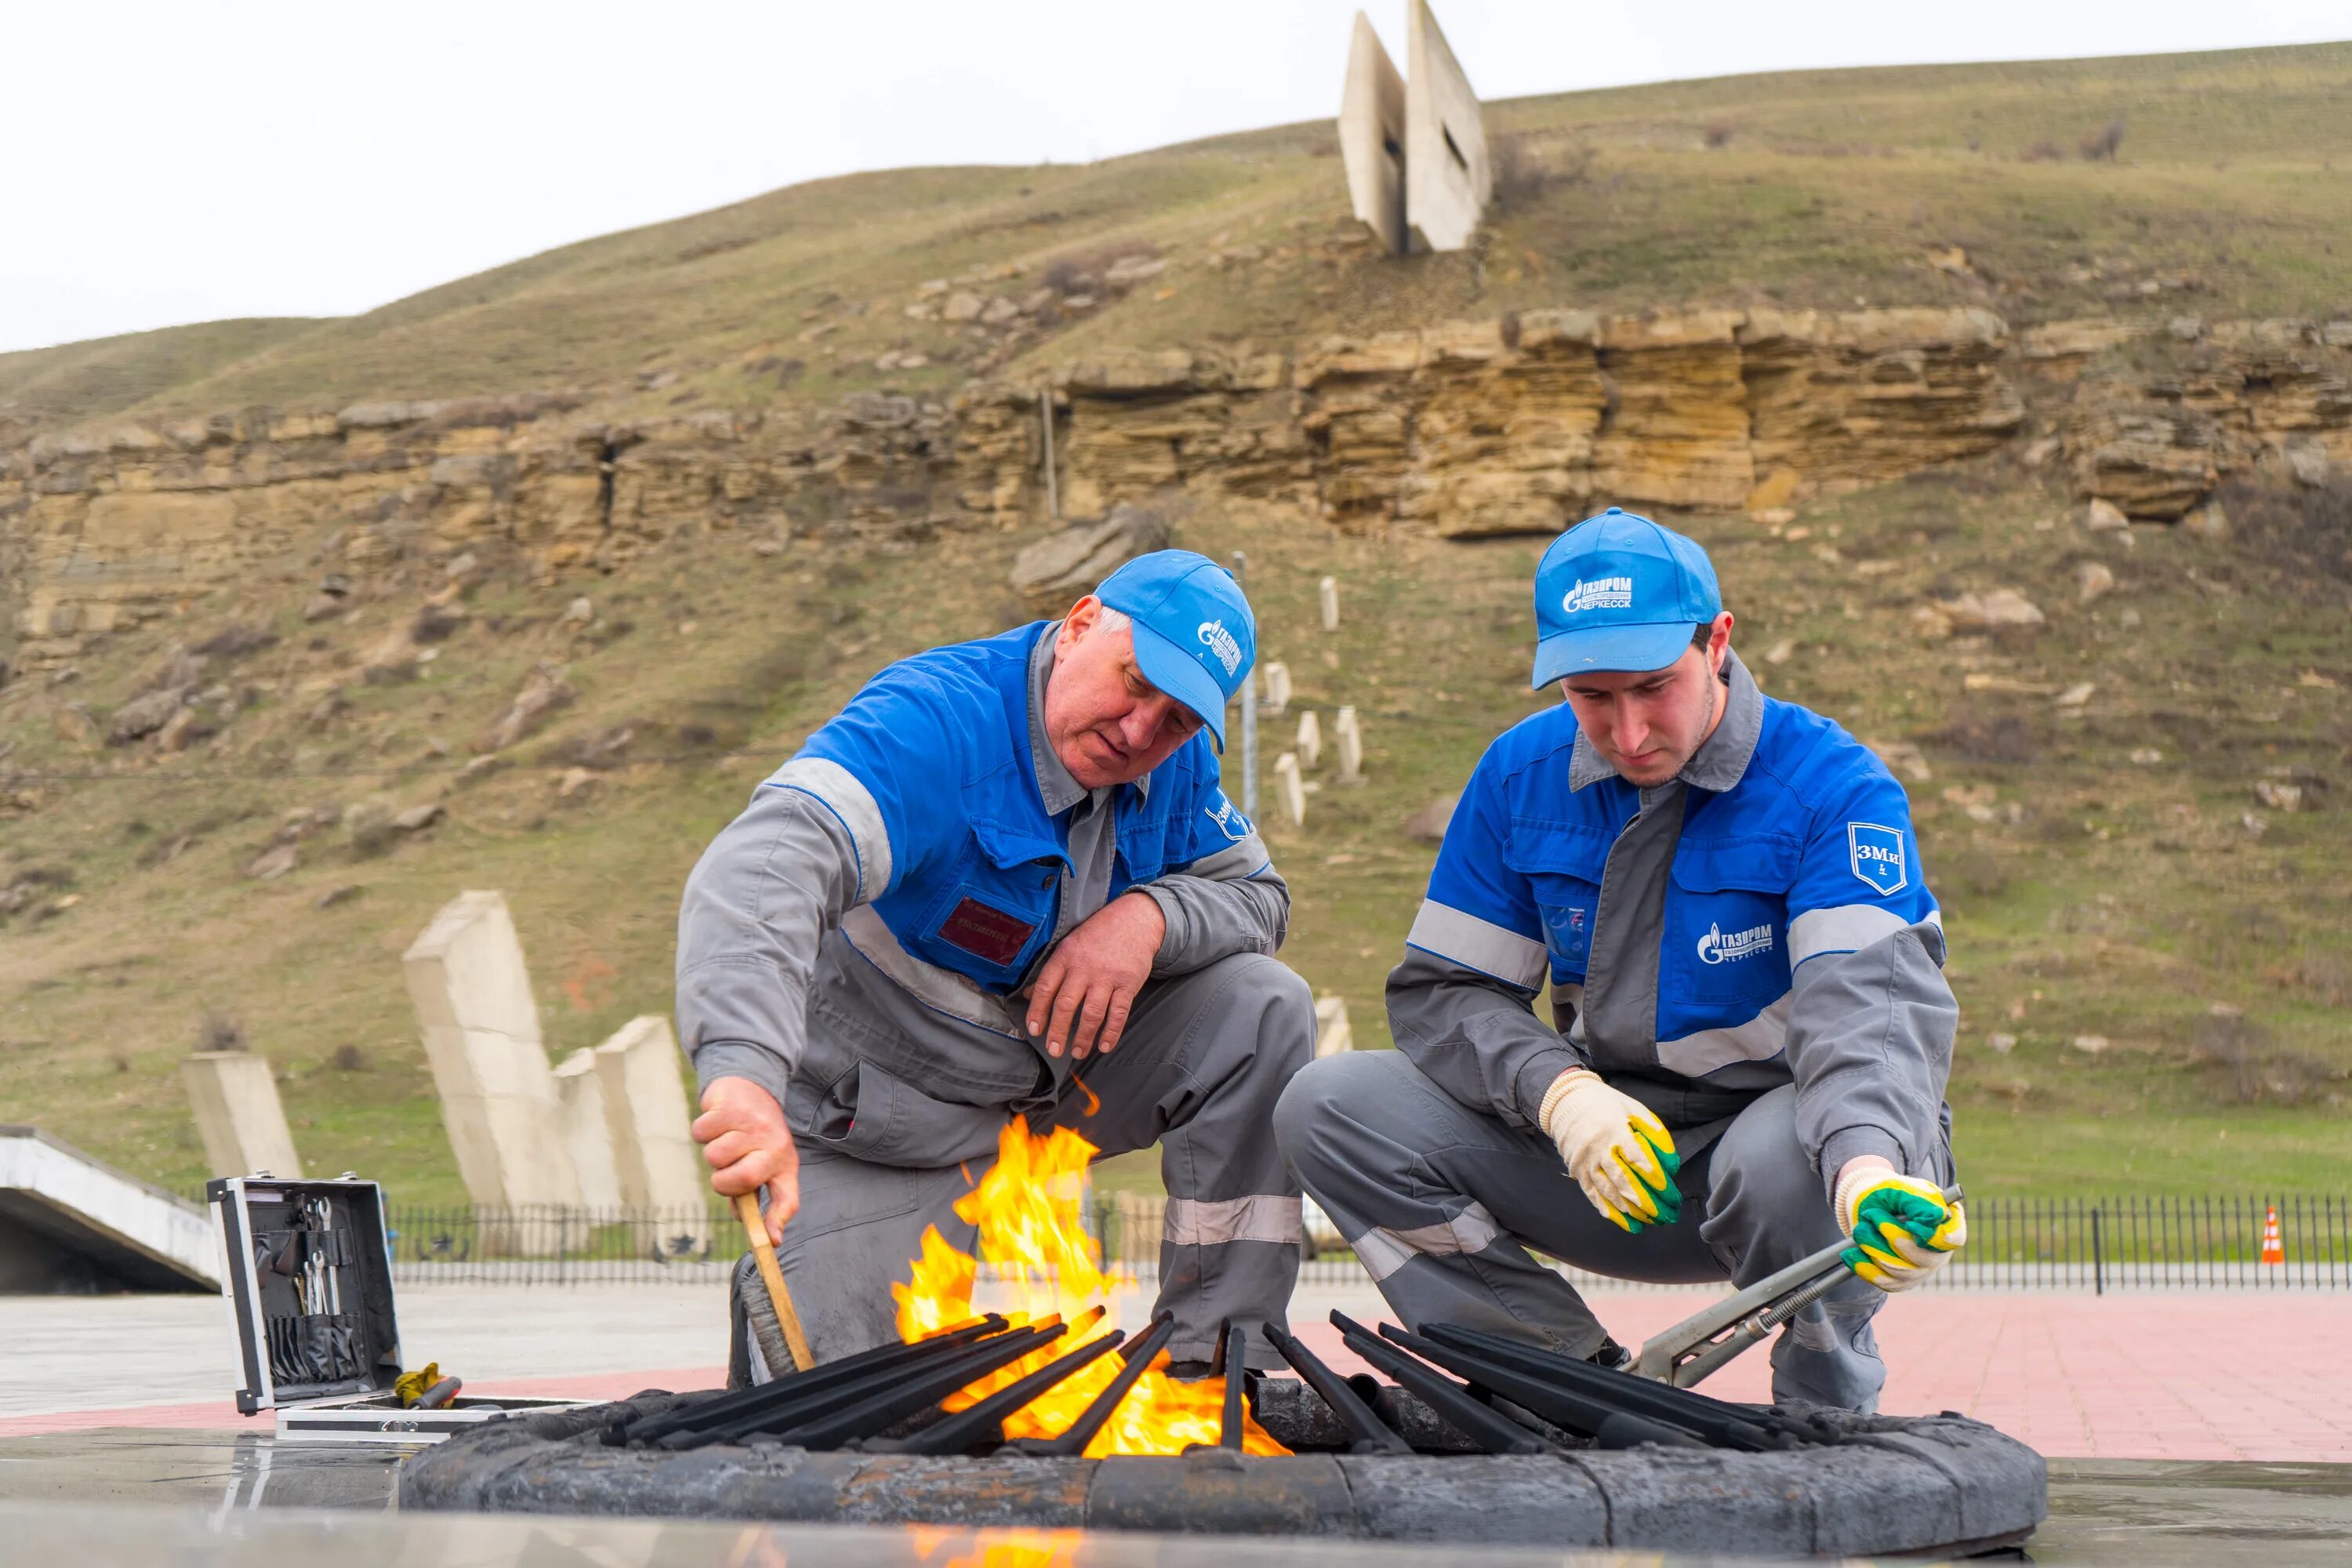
[[1523, 169], [2105, 142]]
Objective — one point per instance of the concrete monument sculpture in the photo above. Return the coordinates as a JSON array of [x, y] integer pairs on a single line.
[[1414, 146], [580, 1102], [238, 1115], [1372, 137], [472, 995], [1447, 177], [650, 1130]]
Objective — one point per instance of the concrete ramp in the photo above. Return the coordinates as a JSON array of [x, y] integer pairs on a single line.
[[70, 1225]]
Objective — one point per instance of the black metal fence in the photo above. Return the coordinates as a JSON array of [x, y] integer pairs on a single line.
[[2099, 1244]]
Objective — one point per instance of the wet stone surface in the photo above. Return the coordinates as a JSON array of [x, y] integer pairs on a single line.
[[1896, 1485], [209, 1497]]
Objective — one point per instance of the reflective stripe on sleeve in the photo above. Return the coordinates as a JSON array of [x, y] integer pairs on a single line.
[[1382, 1251], [838, 789], [941, 990], [1760, 1040], [1237, 861], [1261, 1216], [1447, 933], [1845, 928]]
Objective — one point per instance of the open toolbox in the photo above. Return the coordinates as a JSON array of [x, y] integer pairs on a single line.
[[308, 1274]]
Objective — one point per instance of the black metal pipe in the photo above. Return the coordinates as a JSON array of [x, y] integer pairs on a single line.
[[843, 1395], [1563, 1407], [1721, 1422], [1230, 1428], [883, 1410], [1139, 1355], [1454, 1405], [981, 1425], [794, 1387], [788, 1399], [1372, 1436]]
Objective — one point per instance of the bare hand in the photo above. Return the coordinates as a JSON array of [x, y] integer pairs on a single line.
[[1082, 996], [743, 1133]]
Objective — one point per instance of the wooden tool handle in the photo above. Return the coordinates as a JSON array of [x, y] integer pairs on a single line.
[[755, 1231]]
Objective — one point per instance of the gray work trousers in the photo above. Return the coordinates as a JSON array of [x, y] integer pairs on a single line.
[[1203, 1058], [1441, 1202]]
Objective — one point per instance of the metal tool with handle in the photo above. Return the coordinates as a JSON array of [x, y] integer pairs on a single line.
[[1705, 1341], [755, 1231]]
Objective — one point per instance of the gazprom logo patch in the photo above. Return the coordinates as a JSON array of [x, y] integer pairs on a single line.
[[1601, 593], [1718, 946], [1878, 857], [1222, 643]]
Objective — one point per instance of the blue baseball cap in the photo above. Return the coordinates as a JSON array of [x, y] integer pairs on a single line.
[[1194, 636], [1619, 592]]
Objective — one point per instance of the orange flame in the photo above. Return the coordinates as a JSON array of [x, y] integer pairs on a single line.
[[1005, 1548], [1026, 1210]]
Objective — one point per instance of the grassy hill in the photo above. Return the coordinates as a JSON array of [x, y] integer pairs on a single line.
[[2228, 195], [2166, 962], [2173, 980]]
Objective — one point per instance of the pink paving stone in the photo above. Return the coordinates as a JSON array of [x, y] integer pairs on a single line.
[[221, 1414], [2177, 1376]]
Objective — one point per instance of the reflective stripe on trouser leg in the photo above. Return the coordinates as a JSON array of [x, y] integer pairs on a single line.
[[1203, 1059], [1382, 1251], [1265, 1216], [1439, 1199]]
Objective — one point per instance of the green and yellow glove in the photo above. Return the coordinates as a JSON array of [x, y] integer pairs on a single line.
[[1619, 1153], [1903, 1229]]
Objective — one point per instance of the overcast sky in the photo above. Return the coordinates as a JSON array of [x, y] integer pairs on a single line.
[[173, 162]]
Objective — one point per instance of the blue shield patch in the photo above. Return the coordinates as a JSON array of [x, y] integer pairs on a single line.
[[1878, 857]]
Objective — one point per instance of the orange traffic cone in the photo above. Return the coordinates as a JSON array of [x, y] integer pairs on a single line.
[[2273, 1253]]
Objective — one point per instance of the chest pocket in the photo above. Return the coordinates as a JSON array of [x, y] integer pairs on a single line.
[[997, 913], [1727, 922], [1563, 866], [1142, 836]]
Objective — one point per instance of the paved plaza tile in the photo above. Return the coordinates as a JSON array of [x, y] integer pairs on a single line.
[[2179, 1375]]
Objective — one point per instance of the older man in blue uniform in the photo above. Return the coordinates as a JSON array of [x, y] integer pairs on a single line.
[[1750, 1028], [1003, 860]]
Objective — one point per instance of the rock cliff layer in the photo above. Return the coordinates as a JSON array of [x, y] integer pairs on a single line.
[[1510, 425]]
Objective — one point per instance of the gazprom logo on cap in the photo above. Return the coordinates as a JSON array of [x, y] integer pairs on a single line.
[[1601, 593], [1878, 857], [1222, 643]]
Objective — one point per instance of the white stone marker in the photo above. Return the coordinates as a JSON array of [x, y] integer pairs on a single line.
[[579, 1095], [1278, 688], [1328, 593], [1310, 739], [238, 1115], [472, 995], [1350, 742], [1332, 1034], [1289, 789], [661, 1167]]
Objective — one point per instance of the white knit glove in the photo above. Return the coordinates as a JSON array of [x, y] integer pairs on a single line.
[[1617, 1150]]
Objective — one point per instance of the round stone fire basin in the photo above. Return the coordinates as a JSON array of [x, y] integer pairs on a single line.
[[1938, 1484]]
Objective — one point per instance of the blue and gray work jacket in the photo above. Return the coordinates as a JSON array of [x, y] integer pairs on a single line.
[[1757, 920], [854, 942]]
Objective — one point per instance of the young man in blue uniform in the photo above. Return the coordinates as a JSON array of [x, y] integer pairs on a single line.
[[1003, 859], [1753, 1027]]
